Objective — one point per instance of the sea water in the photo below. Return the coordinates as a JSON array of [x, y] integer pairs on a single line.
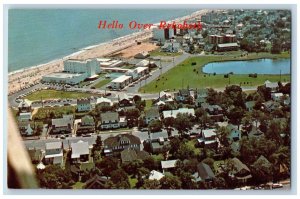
[[37, 36]]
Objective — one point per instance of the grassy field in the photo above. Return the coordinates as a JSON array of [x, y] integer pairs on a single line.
[[132, 182], [156, 53], [78, 185], [102, 83], [54, 94], [148, 104], [184, 74], [43, 113]]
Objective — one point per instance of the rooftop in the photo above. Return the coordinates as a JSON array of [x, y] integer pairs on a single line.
[[121, 79]]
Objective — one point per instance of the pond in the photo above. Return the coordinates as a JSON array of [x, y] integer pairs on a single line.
[[259, 66]]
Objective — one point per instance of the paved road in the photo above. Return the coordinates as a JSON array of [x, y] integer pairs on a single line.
[[40, 144]]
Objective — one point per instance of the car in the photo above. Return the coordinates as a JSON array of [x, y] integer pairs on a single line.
[[277, 185], [93, 87], [108, 94]]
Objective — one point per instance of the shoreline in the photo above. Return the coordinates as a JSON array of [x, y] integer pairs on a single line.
[[30, 76]]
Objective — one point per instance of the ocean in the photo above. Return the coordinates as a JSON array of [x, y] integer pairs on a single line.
[[37, 36]]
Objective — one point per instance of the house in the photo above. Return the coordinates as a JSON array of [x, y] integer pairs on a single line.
[[276, 96], [97, 182], [215, 112], [124, 100], [173, 113], [208, 139], [80, 152], [123, 122], [182, 95], [155, 175], [24, 116], [84, 105], [255, 132], [129, 155], [151, 114], [203, 174], [271, 105], [240, 172], [87, 125], [110, 120], [168, 165], [234, 133], [25, 106], [25, 128], [114, 145], [54, 153], [103, 102], [249, 105], [200, 97], [142, 55], [272, 85], [262, 160], [158, 141], [163, 96], [62, 125], [146, 63], [172, 47]]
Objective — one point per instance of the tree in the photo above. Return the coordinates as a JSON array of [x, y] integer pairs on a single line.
[[107, 165], [182, 123], [132, 116], [97, 147], [184, 152], [223, 133], [273, 132], [170, 182], [137, 98], [175, 144], [151, 184], [54, 177], [155, 126], [262, 171], [120, 179], [235, 115], [247, 123], [132, 167]]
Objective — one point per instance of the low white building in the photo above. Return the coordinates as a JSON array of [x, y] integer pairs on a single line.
[[54, 153], [64, 78], [24, 116], [276, 96], [121, 82], [155, 175], [173, 113]]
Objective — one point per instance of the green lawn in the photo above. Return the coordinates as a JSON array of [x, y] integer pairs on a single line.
[[132, 182], [78, 185], [155, 53], [191, 144], [43, 113], [54, 94], [184, 74], [102, 83], [148, 104]]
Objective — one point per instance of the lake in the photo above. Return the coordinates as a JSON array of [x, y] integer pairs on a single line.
[[259, 66]]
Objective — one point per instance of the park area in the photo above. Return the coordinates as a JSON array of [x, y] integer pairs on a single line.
[[54, 94], [189, 74]]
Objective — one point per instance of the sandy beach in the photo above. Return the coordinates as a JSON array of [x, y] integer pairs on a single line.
[[27, 77]]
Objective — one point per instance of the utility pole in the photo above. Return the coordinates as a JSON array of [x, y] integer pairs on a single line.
[[280, 76]]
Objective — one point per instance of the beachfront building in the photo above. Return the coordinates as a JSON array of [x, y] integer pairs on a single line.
[[121, 82], [138, 73], [162, 35], [227, 47], [75, 71]]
